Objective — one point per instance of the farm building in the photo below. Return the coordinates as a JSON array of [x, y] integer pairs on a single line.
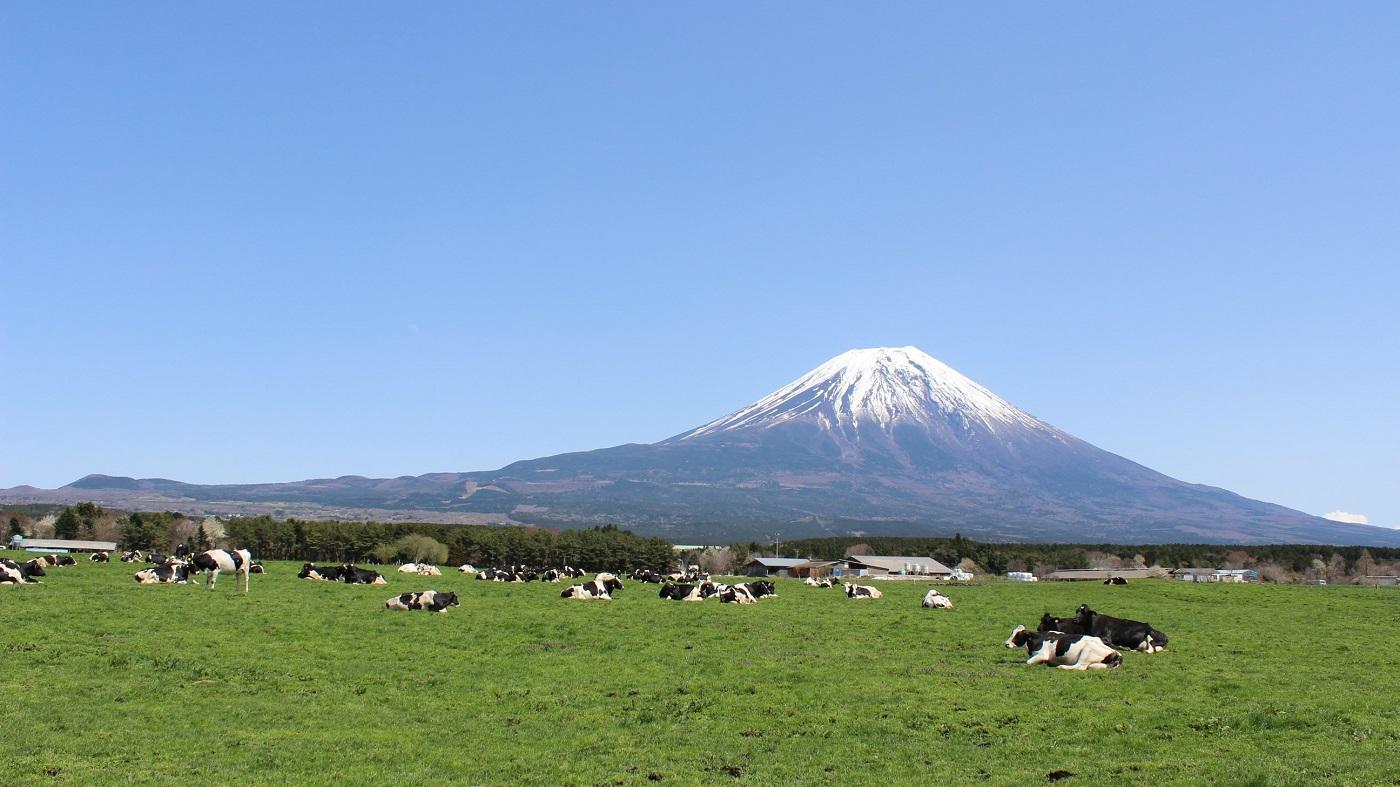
[[816, 569], [1100, 574], [1021, 576], [61, 545], [772, 566], [896, 566], [1215, 575], [1382, 580]]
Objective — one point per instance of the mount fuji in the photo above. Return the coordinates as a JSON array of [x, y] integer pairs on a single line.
[[887, 441]]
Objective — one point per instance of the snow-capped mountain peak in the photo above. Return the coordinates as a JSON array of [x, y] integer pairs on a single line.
[[879, 387]]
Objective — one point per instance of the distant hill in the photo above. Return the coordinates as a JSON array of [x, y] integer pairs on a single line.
[[885, 441]]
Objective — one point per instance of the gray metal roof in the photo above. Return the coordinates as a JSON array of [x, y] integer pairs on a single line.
[[777, 562], [896, 563], [60, 543]]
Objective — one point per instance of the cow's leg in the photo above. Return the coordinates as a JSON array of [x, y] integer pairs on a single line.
[[213, 576], [245, 579], [1077, 666]]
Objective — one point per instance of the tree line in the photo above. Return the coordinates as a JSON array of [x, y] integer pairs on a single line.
[[1277, 562]]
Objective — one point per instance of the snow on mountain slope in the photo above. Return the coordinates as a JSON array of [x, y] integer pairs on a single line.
[[878, 388]]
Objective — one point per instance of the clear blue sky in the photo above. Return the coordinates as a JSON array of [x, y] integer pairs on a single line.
[[265, 242]]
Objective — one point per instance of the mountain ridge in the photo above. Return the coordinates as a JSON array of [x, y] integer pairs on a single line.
[[871, 440]]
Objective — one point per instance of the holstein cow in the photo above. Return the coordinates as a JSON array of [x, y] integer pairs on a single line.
[[431, 600], [212, 562], [427, 570], [599, 589], [66, 560], [134, 556], [256, 568], [1066, 651], [1115, 581], [758, 589], [99, 557], [361, 576], [467, 568], [735, 594], [171, 573], [688, 592], [861, 591], [1119, 632], [20, 573], [408, 568], [327, 573], [828, 582], [935, 600]]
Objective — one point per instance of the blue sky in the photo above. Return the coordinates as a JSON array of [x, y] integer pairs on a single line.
[[266, 242]]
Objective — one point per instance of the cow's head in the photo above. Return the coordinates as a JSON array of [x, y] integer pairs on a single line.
[[34, 568], [1084, 616], [1020, 637]]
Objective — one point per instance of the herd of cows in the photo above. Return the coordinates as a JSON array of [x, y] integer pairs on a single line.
[[1087, 640]]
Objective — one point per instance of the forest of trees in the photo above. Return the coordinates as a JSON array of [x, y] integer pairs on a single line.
[[607, 547]]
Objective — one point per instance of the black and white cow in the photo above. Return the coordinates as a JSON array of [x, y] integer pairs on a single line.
[[174, 572], [67, 560], [431, 600], [21, 573], [570, 572], [861, 591], [819, 583], [600, 589], [467, 568], [325, 573], [49, 560], [936, 600], [676, 592], [235, 561], [256, 568], [99, 557], [1066, 651], [134, 556], [361, 576], [735, 594], [758, 589], [1115, 581], [1119, 632]]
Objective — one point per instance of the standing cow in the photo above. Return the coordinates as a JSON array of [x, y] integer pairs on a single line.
[[212, 562]]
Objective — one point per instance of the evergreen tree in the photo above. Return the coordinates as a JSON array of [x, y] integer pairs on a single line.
[[67, 524]]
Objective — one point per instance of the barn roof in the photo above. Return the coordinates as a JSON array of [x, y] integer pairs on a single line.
[[62, 543], [777, 562], [896, 563]]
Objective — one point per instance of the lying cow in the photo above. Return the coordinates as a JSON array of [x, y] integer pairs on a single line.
[[431, 600], [758, 589], [467, 568], [1115, 581], [21, 573], [99, 557], [67, 560], [1119, 632], [325, 573], [134, 556], [861, 591], [644, 575], [935, 600], [408, 568], [698, 592], [1066, 651], [426, 570], [828, 582], [361, 576], [735, 594], [599, 589], [173, 573], [256, 568]]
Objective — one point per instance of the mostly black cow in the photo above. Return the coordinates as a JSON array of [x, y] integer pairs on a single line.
[[1120, 632], [361, 576], [326, 573], [99, 557], [431, 600]]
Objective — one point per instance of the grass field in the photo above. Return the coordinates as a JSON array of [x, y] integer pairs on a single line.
[[106, 680]]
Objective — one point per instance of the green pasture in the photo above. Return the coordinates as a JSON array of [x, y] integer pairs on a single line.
[[299, 682]]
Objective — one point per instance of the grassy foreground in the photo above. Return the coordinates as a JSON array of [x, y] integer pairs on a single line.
[[305, 682]]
